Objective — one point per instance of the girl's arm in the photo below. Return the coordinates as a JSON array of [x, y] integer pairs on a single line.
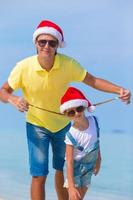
[[98, 163], [73, 192]]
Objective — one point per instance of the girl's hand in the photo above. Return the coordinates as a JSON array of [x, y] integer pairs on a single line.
[[74, 193]]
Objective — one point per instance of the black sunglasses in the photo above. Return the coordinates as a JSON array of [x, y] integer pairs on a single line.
[[71, 113], [51, 43]]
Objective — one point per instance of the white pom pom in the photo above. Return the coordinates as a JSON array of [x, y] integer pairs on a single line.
[[91, 108]]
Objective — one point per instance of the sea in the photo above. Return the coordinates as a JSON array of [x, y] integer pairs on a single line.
[[114, 181]]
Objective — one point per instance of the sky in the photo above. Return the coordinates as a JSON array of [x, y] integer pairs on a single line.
[[98, 34]]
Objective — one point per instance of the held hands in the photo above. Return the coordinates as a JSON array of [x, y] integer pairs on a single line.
[[19, 102], [125, 95], [74, 193]]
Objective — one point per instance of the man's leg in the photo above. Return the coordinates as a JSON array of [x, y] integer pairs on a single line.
[[38, 188], [59, 182], [38, 145]]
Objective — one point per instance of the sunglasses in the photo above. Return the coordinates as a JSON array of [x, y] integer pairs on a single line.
[[71, 113], [51, 43]]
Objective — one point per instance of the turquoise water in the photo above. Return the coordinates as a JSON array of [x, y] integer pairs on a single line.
[[114, 182]]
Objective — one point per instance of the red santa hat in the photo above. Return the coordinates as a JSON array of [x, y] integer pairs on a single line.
[[74, 98], [48, 27]]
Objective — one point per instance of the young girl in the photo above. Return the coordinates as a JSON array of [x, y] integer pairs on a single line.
[[82, 144]]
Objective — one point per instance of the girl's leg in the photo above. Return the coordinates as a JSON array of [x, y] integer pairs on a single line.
[[82, 191], [58, 148]]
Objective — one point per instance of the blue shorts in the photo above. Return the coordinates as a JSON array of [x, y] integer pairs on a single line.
[[39, 139], [83, 170]]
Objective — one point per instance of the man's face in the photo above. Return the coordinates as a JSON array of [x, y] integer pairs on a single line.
[[46, 45]]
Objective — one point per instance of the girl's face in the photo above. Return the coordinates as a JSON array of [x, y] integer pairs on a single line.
[[75, 113]]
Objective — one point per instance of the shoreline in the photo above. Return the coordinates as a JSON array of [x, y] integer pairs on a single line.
[[112, 183], [86, 198], [93, 195]]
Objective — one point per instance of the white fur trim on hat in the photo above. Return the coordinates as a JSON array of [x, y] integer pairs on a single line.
[[91, 108], [49, 30], [72, 104]]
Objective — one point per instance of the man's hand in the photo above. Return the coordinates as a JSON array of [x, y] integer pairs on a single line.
[[19, 102], [125, 95]]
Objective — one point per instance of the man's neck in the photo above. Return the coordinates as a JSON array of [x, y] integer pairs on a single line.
[[46, 63]]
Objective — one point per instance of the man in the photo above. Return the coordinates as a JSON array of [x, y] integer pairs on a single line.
[[44, 78]]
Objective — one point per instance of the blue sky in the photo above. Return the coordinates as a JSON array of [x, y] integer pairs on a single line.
[[98, 33]]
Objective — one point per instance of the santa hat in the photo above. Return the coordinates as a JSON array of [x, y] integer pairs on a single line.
[[48, 27], [74, 98]]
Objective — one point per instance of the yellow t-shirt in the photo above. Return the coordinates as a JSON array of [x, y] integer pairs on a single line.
[[45, 89]]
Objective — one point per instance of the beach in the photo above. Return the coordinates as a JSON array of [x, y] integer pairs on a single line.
[[99, 36], [114, 182]]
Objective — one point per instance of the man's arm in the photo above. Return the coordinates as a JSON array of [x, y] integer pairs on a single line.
[[6, 96], [5, 92], [106, 86]]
